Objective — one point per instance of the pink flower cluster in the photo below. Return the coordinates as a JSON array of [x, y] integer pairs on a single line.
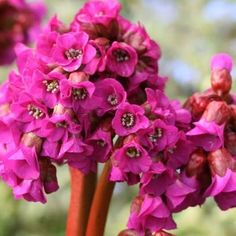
[[19, 23], [91, 93], [180, 160], [80, 88], [213, 165]]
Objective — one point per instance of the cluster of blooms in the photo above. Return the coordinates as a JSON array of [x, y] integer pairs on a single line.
[[19, 22], [195, 165], [214, 136], [91, 93]]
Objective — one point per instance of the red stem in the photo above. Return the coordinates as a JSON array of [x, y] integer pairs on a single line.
[[82, 191], [101, 203]]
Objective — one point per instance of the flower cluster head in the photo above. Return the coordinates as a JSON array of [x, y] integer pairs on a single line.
[[19, 23], [91, 93], [213, 133]]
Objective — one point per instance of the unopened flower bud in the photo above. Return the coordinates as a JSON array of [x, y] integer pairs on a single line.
[[130, 138], [217, 111], [136, 204], [77, 77], [106, 124], [59, 109], [230, 142], [196, 163], [221, 66], [50, 183], [48, 175], [219, 161], [102, 41], [197, 103], [32, 140], [221, 82]]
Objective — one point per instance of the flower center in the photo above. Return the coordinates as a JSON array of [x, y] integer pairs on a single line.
[[172, 150], [112, 99], [128, 120], [158, 134], [121, 55], [51, 86], [61, 124], [73, 54], [101, 143], [34, 111], [132, 152], [80, 93]]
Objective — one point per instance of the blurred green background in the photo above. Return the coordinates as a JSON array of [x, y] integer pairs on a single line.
[[189, 33]]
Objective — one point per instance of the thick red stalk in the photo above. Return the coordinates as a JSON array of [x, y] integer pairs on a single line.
[[101, 203], [82, 191]]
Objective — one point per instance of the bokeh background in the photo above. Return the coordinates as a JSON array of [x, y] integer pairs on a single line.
[[189, 33]]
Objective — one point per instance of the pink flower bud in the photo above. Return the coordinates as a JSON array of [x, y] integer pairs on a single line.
[[219, 161], [221, 81], [32, 140], [221, 61], [219, 112]]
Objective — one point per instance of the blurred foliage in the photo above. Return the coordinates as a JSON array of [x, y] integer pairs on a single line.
[[189, 33]]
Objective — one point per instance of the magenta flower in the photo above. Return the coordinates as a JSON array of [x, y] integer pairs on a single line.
[[221, 61], [72, 50], [129, 119], [150, 214], [20, 23], [155, 181], [223, 190], [77, 154], [222, 187], [149, 51], [46, 87], [121, 59], [161, 107], [102, 145], [23, 163], [31, 190], [98, 63], [179, 154], [58, 127], [179, 196], [109, 95], [208, 135], [183, 117], [159, 136], [98, 18], [21, 169], [132, 158], [29, 111], [48, 38], [118, 175], [74, 94], [99, 11]]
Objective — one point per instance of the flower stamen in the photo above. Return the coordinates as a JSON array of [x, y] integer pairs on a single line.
[[154, 137], [128, 120], [132, 152], [73, 54], [121, 55], [34, 111], [51, 86], [112, 99], [80, 93]]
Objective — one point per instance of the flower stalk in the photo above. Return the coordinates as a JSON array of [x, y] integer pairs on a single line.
[[101, 203], [82, 191]]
